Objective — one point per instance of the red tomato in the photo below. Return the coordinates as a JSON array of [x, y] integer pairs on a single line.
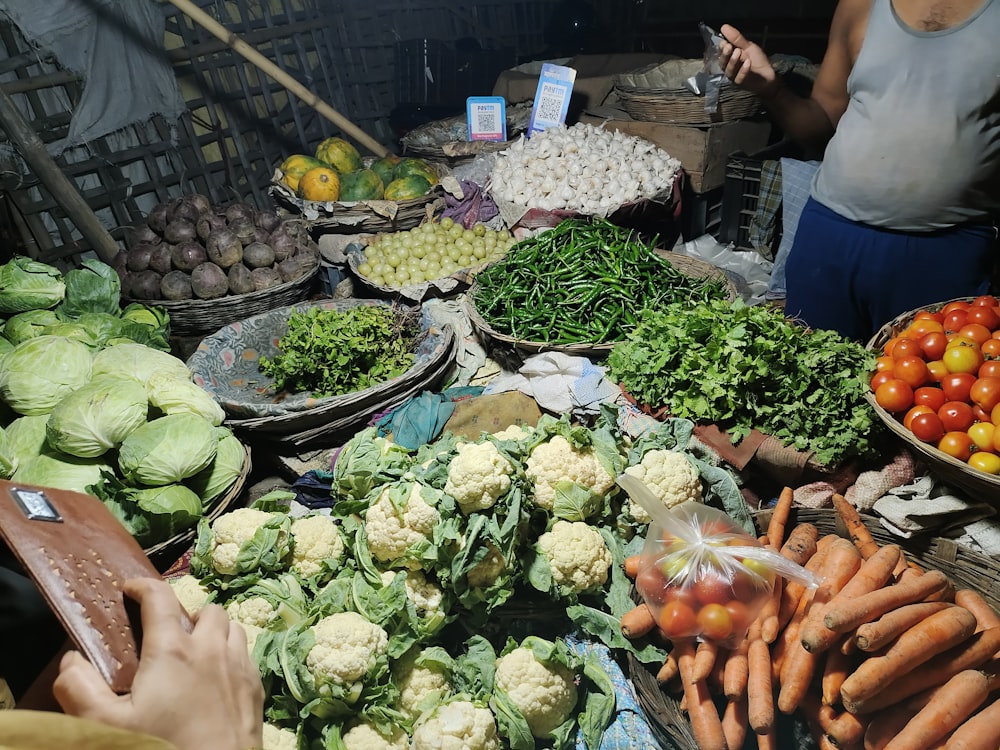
[[981, 414], [920, 327], [933, 345], [927, 428], [741, 617], [954, 319], [956, 386], [962, 358], [982, 435], [991, 348], [988, 463], [985, 392], [713, 588], [911, 370], [885, 362], [937, 315], [677, 620], [914, 411], [715, 622], [937, 371], [683, 594], [984, 300], [878, 378], [957, 445], [651, 584], [906, 348], [976, 331], [894, 395], [929, 395], [990, 368], [985, 315], [956, 416], [956, 304]]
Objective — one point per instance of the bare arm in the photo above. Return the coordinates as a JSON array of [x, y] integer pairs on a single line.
[[809, 120]]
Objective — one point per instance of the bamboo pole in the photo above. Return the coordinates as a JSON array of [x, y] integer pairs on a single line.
[[65, 193], [241, 47]]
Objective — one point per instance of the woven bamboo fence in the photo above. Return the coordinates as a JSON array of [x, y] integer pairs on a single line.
[[361, 58]]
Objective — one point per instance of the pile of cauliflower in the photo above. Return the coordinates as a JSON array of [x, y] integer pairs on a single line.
[[348, 610]]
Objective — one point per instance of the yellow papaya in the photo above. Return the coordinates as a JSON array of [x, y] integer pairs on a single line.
[[295, 166], [339, 154], [319, 184]]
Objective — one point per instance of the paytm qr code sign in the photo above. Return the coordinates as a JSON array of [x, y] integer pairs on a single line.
[[487, 118], [555, 85]]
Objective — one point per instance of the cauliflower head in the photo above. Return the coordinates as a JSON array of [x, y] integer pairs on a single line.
[[279, 738], [391, 533], [346, 647], [193, 595], [513, 432], [670, 476], [426, 595], [254, 610], [577, 554], [419, 686], [231, 531], [557, 460], [477, 476], [545, 694], [315, 540], [365, 736], [459, 725]]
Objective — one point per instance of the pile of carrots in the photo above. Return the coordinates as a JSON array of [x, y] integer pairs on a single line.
[[882, 655]]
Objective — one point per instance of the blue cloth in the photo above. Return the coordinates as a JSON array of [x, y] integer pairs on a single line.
[[796, 182], [853, 278], [420, 419]]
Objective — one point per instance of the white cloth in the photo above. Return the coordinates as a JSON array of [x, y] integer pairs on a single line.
[[560, 383], [928, 507]]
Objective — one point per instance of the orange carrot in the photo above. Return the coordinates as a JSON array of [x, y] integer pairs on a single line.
[[668, 670], [632, 565], [638, 621], [760, 691], [939, 632], [949, 705], [705, 656], [871, 575], [970, 654], [871, 636], [882, 728], [706, 724], [973, 601], [736, 671], [856, 529], [793, 592], [734, 722], [836, 667], [779, 518], [981, 731], [801, 543], [768, 615], [867, 607], [846, 729], [767, 740]]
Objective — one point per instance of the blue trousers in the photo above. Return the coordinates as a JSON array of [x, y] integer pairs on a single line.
[[853, 278]]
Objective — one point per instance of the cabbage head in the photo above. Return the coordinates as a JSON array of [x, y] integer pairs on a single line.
[[94, 287], [173, 395], [64, 472], [151, 514], [139, 361], [38, 373], [29, 324], [5, 345], [97, 416], [27, 284], [218, 476], [167, 450], [26, 436], [8, 460]]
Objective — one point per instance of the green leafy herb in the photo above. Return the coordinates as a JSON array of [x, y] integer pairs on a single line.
[[331, 352], [747, 367]]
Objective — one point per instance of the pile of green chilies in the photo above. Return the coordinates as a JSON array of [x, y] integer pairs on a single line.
[[584, 281]]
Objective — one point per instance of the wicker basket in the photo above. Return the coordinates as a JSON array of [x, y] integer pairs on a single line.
[[950, 470], [967, 569], [686, 265], [446, 140], [166, 553]]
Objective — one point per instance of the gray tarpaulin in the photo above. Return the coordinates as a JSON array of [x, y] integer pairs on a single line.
[[116, 46]]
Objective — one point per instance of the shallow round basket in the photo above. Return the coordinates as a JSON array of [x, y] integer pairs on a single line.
[[950, 470], [197, 317], [447, 286], [598, 349], [166, 553], [447, 140], [967, 569]]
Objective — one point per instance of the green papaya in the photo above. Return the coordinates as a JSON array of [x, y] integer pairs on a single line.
[[406, 188], [361, 185], [340, 154], [385, 167], [411, 166]]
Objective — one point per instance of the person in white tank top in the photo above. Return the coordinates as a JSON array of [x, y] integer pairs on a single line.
[[906, 108]]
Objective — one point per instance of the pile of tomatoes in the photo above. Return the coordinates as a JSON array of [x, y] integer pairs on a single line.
[[940, 376]]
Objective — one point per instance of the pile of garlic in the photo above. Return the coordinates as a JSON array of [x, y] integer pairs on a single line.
[[581, 168]]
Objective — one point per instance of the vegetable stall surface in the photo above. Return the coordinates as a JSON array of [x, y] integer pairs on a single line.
[[584, 281], [701, 360], [331, 352]]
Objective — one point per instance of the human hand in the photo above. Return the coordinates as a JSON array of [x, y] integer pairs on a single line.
[[745, 63], [196, 689]]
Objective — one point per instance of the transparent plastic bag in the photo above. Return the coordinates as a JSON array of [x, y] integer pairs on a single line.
[[700, 573]]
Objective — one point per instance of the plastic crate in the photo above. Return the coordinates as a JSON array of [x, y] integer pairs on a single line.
[[741, 193]]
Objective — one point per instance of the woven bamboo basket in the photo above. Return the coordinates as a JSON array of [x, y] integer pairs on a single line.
[[598, 349], [966, 567], [166, 553], [447, 140], [950, 470]]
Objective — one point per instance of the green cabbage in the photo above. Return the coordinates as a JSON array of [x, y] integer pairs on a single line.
[[29, 324], [94, 287], [174, 395], [98, 416], [26, 436], [54, 469], [151, 514], [27, 284], [218, 476], [38, 373], [167, 450], [139, 361], [8, 461], [5, 345]]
